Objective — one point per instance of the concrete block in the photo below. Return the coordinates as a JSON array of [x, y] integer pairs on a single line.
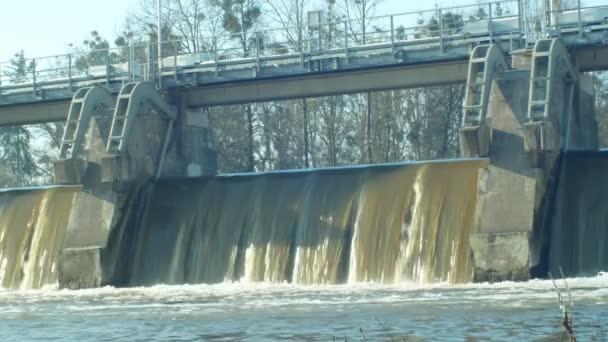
[[194, 170], [197, 119], [540, 137], [474, 141], [69, 171], [79, 268], [90, 221], [507, 200], [501, 256], [522, 60], [117, 169]]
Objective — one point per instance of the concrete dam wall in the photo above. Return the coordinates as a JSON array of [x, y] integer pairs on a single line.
[[383, 224], [375, 224]]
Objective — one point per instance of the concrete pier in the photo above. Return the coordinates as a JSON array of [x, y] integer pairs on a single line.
[[539, 108], [109, 176]]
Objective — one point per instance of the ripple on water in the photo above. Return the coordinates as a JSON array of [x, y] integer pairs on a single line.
[[235, 311]]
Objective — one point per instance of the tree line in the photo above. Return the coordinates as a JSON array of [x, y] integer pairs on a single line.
[[375, 127]]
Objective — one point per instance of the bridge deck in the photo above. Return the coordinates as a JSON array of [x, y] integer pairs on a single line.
[[388, 62]]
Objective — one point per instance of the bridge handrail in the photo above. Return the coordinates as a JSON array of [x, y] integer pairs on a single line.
[[350, 37], [141, 63]]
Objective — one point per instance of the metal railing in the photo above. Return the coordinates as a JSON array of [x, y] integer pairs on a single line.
[[138, 60]]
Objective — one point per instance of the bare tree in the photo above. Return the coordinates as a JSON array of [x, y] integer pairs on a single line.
[[290, 16], [358, 14], [196, 24]]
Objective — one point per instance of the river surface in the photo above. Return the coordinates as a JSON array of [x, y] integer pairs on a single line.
[[275, 312]]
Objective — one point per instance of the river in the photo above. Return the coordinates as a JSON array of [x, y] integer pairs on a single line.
[[507, 311]]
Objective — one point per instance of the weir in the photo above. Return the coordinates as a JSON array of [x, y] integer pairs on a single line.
[[144, 206], [381, 224]]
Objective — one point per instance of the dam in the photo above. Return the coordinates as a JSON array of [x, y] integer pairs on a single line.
[[384, 224], [146, 234], [138, 201]]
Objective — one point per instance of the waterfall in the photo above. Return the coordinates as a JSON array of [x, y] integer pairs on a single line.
[[579, 232], [383, 224], [33, 225]]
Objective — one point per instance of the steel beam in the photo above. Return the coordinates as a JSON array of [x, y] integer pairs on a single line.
[[591, 58], [300, 86], [32, 113], [325, 84]]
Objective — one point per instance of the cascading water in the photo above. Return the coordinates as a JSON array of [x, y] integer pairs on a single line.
[[383, 224], [371, 224], [33, 225], [579, 234]]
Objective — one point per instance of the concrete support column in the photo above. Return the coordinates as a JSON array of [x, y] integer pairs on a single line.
[[515, 191]]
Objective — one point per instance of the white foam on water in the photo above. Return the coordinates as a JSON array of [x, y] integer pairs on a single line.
[[273, 294]]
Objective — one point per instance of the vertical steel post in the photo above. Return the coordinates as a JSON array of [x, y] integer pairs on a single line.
[[108, 69], [549, 14], [490, 23], [160, 47], [257, 50], [393, 34], [321, 37], [544, 22], [130, 63], [215, 47], [440, 17], [520, 21], [70, 70], [346, 42], [580, 22], [34, 76], [151, 70], [175, 62]]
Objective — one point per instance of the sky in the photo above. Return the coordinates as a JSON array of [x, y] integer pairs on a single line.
[[46, 27]]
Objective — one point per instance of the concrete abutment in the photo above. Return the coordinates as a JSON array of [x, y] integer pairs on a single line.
[[538, 108], [146, 138]]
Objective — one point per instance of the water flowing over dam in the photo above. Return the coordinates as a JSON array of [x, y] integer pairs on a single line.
[[381, 224], [579, 235], [374, 224], [32, 230]]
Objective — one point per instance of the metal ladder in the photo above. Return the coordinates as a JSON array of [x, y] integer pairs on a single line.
[[120, 120], [485, 63], [86, 103], [131, 99], [550, 61]]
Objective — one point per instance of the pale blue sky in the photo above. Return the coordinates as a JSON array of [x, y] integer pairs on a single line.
[[45, 27]]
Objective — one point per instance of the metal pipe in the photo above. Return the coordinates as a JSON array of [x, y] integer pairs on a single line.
[[163, 155]]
